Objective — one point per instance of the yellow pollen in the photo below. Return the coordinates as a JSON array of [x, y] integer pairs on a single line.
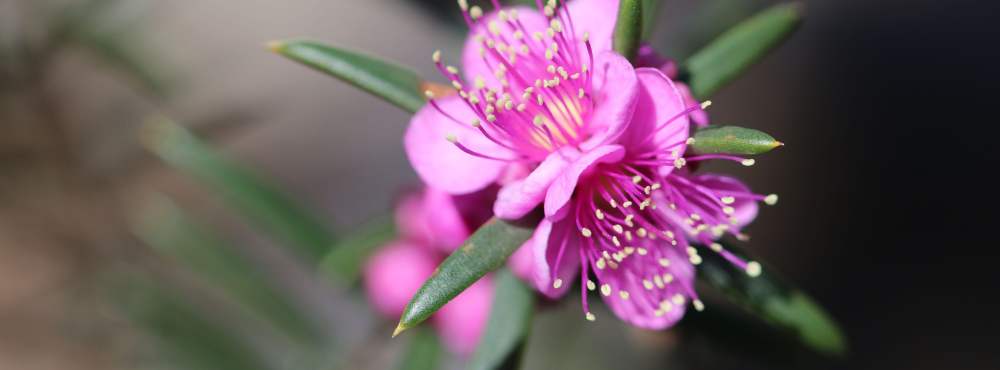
[[771, 199], [618, 228], [679, 162], [716, 247], [728, 200], [451, 138], [599, 214], [647, 284], [698, 306], [642, 251], [664, 262], [586, 232], [706, 104], [590, 317], [557, 284], [623, 294], [636, 179], [689, 141], [591, 285], [606, 290], [476, 12], [748, 162], [436, 56]]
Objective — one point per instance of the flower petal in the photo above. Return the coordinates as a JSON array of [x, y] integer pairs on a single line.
[[562, 188], [519, 197], [745, 210], [615, 90], [462, 321], [596, 18], [549, 239], [395, 273], [659, 102], [476, 61], [439, 162], [642, 306], [522, 262]]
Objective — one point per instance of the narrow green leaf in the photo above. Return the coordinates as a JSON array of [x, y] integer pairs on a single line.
[[422, 353], [727, 56], [650, 9], [174, 233], [395, 84], [347, 256], [486, 250], [733, 140], [508, 325], [773, 300], [628, 28], [185, 333], [245, 191]]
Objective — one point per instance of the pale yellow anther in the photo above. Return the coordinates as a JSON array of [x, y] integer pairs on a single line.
[[618, 228], [689, 141], [641, 251], [706, 104], [664, 262], [429, 94], [476, 122], [614, 240], [748, 162], [715, 247], [623, 294], [680, 162], [463, 4], [641, 232], [728, 200], [451, 137], [753, 269], [698, 305], [476, 12], [606, 290], [601, 263], [728, 210], [590, 317], [636, 179], [586, 232], [557, 284], [696, 260], [626, 204], [667, 278], [659, 281], [771, 199], [591, 285], [436, 56], [451, 69], [599, 214], [647, 284], [678, 299]]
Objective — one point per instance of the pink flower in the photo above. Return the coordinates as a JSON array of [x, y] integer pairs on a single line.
[[649, 57], [431, 224], [605, 145]]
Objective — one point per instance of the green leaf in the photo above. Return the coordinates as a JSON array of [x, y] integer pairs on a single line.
[[730, 54], [733, 140], [628, 28], [773, 300], [172, 232], [395, 84], [508, 325], [347, 256], [422, 353], [486, 250], [650, 9], [185, 333], [245, 191]]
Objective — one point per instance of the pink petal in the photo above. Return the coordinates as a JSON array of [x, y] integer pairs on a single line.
[[745, 210], [562, 188], [660, 102], [649, 58], [548, 240], [615, 89], [446, 226], [640, 308], [521, 263], [519, 197], [461, 322], [475, 64], [439, 162], [597, 18], [699, 116], [394, 274]]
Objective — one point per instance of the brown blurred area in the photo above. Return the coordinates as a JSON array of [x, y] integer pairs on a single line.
[[72, 171]]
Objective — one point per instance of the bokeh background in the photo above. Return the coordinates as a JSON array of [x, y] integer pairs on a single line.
[[887, 182]]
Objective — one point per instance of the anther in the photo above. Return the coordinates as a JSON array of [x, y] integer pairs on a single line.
[[771, 199], [753, 269]]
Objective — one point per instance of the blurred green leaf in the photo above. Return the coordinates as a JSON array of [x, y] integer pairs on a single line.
[[246, 192], [174, 233], [184, 332], [733, 140], [730, 54], [395, 84], [650, 10], [347, 256], [773, 300], [508, 326], [124, 56], [628, 28], [486, 250], [422, 353]]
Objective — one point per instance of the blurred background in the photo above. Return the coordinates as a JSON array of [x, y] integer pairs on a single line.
[[886, 182]]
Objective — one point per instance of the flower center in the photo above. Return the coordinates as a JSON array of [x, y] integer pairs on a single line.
[[534, 95]]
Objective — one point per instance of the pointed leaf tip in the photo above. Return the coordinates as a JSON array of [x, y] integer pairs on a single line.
[[399, 329], [494, 242], [275, 46]]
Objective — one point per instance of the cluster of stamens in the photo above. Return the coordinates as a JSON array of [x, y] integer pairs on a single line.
[[537, 99]]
